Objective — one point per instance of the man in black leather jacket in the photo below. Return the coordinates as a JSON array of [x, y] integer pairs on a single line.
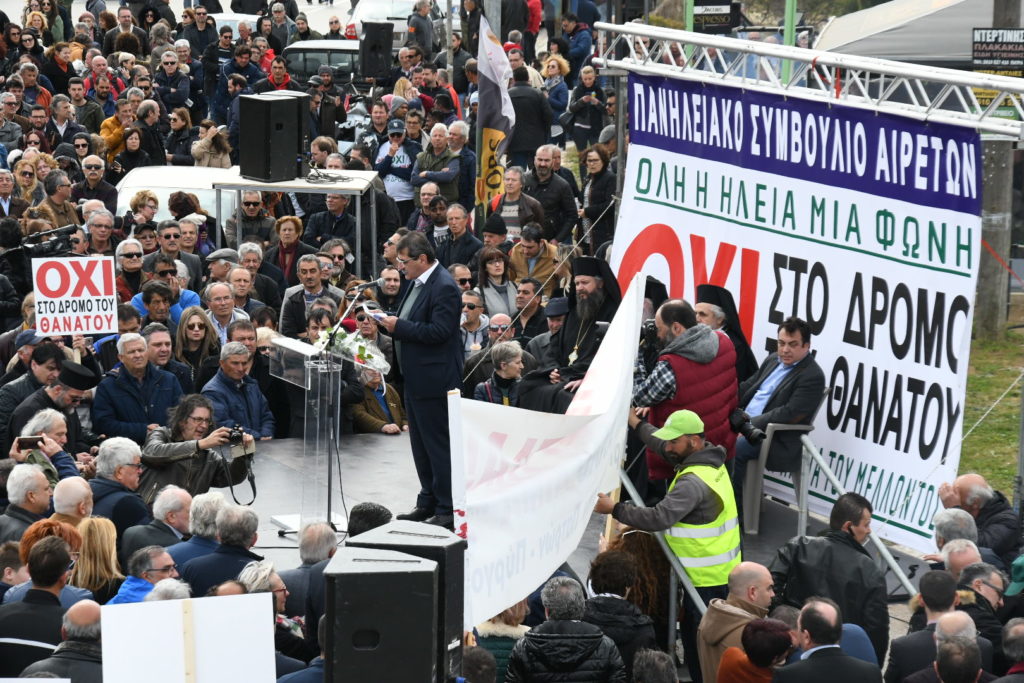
[[837, 566]]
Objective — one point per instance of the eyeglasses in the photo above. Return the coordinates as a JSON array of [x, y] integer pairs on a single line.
[[498, 328], [401, 260], [136, 465], [167, 273], [199, 420], [362, 317], [471, 307], [168, 568], [76, 240], [334, 23], [251, 203], [152, 207], [102, 226], [999, 591], [200, 14], [196, 326], [395, 135]]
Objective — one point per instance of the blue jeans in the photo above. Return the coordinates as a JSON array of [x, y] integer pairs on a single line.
[[745, 452]]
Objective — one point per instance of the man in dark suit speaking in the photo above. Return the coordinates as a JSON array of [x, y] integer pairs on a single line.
[[820, 626], [429, 350], [787, 388]]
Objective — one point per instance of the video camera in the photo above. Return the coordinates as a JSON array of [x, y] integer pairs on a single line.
[[56, 242]]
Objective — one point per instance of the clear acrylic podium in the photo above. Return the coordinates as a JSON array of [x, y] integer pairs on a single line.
[[318, 374]]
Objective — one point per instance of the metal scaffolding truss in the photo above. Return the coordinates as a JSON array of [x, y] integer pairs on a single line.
[[920, 92]]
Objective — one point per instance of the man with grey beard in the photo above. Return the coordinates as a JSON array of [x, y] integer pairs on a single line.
[[593, 299]]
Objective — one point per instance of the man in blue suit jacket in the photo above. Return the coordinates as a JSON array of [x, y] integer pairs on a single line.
[[429, 350]]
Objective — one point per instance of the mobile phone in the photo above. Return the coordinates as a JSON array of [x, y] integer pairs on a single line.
[[26, 443]]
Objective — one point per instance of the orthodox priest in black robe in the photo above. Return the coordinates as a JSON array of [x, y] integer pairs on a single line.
[[723, 316], [594, 298]]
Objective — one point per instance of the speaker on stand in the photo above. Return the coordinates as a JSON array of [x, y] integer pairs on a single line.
[[381, 616], [280, 120], [448, 551], [375, 49]]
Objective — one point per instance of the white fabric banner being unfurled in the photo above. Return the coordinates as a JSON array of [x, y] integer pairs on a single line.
[[527, 481]]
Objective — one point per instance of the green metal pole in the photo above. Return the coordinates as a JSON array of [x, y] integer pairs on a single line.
[[689, 15], [789, 37]]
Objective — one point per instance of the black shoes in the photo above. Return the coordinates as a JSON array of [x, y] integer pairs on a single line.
[[446, 521], [417, 515]]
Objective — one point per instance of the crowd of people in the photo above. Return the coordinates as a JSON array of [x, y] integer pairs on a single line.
[[114, 444]]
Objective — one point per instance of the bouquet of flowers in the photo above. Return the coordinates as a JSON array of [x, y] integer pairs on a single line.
[[354, 347]]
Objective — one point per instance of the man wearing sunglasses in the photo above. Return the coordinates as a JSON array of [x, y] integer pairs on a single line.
[[74, 384], [58, 192], [168, 235], [93, 186], [9, 204], [479, 365]]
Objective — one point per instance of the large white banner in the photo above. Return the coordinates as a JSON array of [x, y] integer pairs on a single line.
[[528, 481], [867, 226]]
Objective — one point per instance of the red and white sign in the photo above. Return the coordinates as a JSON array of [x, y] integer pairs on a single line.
[[75, 295]]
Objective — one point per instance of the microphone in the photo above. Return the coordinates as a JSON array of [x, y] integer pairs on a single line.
[[379, 282]]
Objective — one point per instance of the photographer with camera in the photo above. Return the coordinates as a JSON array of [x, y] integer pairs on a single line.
[[189, 452], [695, 370], [787, 388]]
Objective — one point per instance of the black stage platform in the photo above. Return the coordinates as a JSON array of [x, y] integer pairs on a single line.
[[379, 468]]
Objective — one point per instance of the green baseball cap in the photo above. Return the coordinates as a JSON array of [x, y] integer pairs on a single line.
[[679, 423], [1017, 577]]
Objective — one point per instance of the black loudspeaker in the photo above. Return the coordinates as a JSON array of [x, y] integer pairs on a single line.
[[375, 49], [448, 551], [381, 616], [274, 131]]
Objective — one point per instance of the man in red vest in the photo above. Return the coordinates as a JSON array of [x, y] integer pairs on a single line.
[[695, 370]]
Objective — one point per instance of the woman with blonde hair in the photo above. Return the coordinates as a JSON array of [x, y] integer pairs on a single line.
[[28, 185], [97, 569], [44, 164], [195, 340], [556, 68], [37, 21], [212, 148], [499, 634]]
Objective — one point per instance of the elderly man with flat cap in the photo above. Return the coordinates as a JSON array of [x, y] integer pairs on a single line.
[[74, 384], [697, 515], [594, 297]]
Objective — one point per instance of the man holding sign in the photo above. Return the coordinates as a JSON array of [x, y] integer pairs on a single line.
[[698, 515]]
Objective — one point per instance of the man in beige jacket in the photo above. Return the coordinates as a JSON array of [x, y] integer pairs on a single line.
[[750, 595]]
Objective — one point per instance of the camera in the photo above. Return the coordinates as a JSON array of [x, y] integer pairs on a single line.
[[236, 435], [740, 423], [649, 333]]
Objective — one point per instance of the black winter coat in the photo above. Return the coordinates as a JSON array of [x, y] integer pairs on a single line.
[[74, 659], [623, 622], [985, 620], [998, 528], [564, 650], [533, 117], [598, 193], [179, 145], [836, 567]]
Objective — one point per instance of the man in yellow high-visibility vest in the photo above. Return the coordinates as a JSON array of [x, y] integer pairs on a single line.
[[698, 515]]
